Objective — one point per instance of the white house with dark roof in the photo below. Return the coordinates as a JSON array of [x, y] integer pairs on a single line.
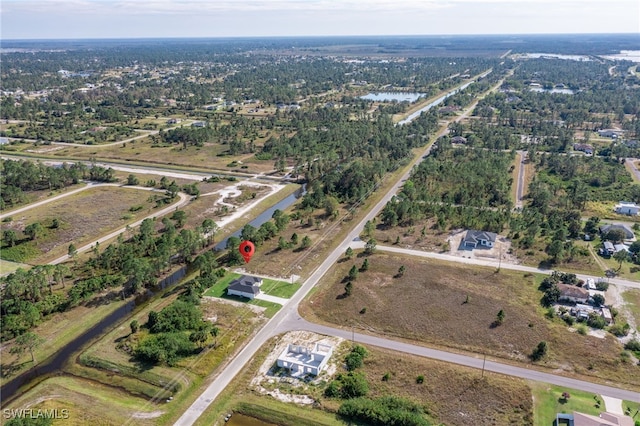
[[482, 238], [245, 286]]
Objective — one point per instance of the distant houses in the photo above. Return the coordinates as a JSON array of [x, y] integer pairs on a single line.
[[610, 133], [459, 139], [583, 147]]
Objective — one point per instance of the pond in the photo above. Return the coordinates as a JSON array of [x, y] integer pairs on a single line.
[[393, 96], [265, 216]]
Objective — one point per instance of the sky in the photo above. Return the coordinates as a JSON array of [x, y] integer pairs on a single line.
[[59, 19]]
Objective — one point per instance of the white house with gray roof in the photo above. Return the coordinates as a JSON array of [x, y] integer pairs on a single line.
[[245, 286], [482, 238]]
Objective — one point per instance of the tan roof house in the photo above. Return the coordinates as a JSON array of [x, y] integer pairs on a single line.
[[572, 293]]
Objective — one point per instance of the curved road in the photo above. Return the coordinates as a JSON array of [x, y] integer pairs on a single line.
[[184, 199]]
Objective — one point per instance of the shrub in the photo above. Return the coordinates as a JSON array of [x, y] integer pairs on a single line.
[[596, 321], [633, 345], [387, 410], [620, 329], [420, 379], [540, 351], [353, 385]]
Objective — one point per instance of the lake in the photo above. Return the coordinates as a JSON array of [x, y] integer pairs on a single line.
[[393, 96]]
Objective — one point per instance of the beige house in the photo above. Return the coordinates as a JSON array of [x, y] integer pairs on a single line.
[[572, 293]]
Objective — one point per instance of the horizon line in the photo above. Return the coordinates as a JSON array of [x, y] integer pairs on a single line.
[[3, 40]]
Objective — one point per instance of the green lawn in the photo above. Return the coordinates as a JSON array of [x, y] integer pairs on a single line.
[[8, 267], [219, 289], [279, 288], [631, 408], [547, 403], [271, 287]]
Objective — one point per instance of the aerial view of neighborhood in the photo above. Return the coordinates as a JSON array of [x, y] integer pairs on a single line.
[[346, 230]]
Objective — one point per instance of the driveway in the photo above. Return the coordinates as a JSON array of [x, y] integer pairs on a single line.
[[279, 300]]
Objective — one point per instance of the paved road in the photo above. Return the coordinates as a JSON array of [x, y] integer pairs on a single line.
[[297, 323], [632, 164], [490, 263], [521, 178], [184, 199], [145, 133]]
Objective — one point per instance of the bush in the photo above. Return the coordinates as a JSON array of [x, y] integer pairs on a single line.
[[420, 379], [619, 330], [353, 385], [540, 351], [596, 321], [633, 345], [164, 347], [355, 358], [387, 410]]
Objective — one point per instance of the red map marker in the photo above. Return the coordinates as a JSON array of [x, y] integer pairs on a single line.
[[247, 249]]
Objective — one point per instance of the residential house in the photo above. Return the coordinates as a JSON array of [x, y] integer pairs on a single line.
[[572, 293], [606, 314], [583, 147], [458, 139], [582, 311], [245, 286], [610, 133], [628, 233], [199, 124], [173, 121], [605, 419], [607, 248], [484, 238], [625, 207], [301, 359]]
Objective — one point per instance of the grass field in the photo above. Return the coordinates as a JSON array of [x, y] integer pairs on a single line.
[[7, 267], [632, 299], [88, 402], [209, 156], [82, 218], [117, 369], [58, 330], [455, 306], [547, 402]]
